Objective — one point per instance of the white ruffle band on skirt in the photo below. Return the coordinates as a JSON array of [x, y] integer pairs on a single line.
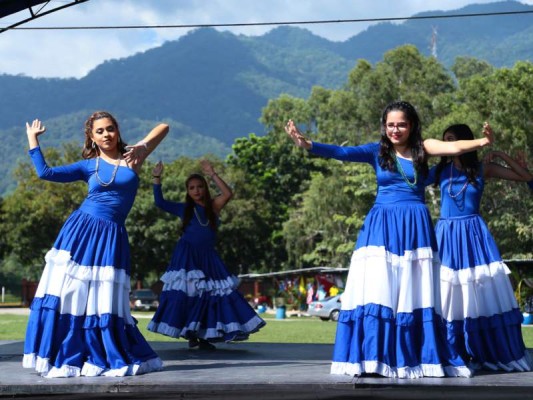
[[403, 283], [85, 290], [376, 367], [482, 291], [483, 317], [390, 321], [194, 283], [43, 367], [80, 323]]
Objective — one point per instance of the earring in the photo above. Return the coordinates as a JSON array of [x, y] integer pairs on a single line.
[[94, 145]]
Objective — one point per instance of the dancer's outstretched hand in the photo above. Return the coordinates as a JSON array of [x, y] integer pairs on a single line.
[[136, 154], [35, 129], [296, 136], [158, 169], [489, 134], [207, 167]]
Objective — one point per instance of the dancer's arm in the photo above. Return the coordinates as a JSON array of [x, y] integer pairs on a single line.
[[435, 147], [225, 191], [141, 150], [515, 173], [63, 173], [363, 153], [166, 205]]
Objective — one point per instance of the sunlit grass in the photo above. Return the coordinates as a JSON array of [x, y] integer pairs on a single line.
[[527, 334], [290, 330], [12, 327]]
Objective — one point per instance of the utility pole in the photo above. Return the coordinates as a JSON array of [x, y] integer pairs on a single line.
[[434, 42]]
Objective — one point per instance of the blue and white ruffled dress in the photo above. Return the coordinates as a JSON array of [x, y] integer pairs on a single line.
[[200, 297], [478, 302], [80, 321], [390, 322]]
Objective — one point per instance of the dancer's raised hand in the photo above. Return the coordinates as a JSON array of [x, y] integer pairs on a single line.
[[297, 137]]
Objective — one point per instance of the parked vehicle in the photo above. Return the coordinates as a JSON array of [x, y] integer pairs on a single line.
[[143, 299], [326, 309]]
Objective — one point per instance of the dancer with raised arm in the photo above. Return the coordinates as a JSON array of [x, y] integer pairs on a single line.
[[390, 321], [478, 301], [80, 321], [200, 301]]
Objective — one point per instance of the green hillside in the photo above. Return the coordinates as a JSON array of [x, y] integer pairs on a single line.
[[212, 86]]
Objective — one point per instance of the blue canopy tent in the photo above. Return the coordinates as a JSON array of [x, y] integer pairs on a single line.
[[36, 9]]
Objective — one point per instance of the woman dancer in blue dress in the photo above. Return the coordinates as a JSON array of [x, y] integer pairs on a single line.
[[200, 301], [478, 302], [80, 322], [390, 321]]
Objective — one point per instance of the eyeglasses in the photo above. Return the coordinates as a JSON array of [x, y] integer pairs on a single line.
[[401, 126]]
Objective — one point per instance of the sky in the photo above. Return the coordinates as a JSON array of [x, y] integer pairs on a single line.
[[74, 53]]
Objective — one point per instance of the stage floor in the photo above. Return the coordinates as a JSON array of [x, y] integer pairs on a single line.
[[250, 371]]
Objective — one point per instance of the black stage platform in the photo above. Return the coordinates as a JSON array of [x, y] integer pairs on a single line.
[[250, 371]]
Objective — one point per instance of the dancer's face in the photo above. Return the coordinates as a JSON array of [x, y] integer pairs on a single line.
[[449, 137], [397, 127], [105, 134], [196, 189]]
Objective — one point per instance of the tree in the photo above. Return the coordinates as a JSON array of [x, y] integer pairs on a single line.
[[322, 226], [504, 98], [466, 67], [272, 172]]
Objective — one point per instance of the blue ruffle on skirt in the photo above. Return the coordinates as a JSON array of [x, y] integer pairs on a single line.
[[200, 299], [63, 345], [478, 302], [389, 323], [80, 321], [370, 339]]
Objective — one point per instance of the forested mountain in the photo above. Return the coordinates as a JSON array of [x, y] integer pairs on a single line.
[[211, 86], [292, 209], [500, 40]]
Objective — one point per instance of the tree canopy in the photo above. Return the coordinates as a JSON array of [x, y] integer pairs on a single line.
[[292, 209]]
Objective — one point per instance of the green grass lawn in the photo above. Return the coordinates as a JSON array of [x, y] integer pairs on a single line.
[[290, 330]]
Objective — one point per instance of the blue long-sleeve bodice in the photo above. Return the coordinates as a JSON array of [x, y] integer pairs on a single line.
[[198, 231], [392, 187], [112, 202]]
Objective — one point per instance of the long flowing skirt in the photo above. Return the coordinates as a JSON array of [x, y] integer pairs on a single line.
[[389, 322], [80, 321], [482, 314], [200, 299]]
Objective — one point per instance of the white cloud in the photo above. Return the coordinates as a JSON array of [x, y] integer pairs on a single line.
[[73, 53]]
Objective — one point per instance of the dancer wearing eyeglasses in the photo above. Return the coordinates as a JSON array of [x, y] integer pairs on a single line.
[[390, 322]]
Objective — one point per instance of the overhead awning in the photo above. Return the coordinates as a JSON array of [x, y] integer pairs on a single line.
[[36, 9]]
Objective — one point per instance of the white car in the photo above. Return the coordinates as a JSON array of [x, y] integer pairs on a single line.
[[327, 309]]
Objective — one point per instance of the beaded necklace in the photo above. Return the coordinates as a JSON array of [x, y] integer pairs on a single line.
[[100, 181], [454, 195], [412, 185], [198, 218]]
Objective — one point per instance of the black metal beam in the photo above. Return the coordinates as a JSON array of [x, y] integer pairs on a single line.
[[8, 7]]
